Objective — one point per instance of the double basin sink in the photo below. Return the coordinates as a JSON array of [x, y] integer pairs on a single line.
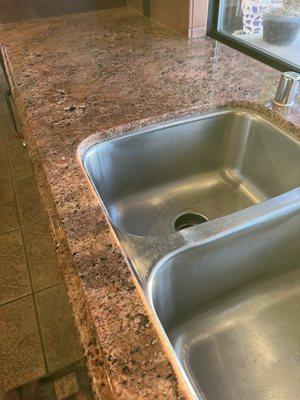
[[207, 211]]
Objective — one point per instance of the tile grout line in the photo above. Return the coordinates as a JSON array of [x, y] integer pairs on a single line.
[[23, 296], [31, 293], [48, 287], [10, 231], [22, 226], [26, 256]]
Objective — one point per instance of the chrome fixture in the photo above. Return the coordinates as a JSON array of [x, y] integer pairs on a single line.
[[287, 89]]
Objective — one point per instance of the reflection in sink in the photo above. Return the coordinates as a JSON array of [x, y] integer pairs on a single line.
[[208, 166], [230, 308]]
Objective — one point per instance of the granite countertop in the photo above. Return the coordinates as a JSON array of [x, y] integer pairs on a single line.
[[96, 75]]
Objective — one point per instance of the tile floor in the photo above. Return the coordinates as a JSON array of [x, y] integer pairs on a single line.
[[37, 334], [70, 384]]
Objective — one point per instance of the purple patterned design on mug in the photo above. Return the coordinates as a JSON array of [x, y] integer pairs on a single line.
[[253, 16]]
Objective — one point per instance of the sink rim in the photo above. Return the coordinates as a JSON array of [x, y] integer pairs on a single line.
[[183, 119], [170, 123], [221, 227], [193, 236]]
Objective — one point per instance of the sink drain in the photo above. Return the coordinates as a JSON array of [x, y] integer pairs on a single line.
[[188, 220]]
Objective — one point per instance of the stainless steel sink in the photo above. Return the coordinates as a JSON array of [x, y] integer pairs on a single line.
[[207, 210], [210, 166], [230, 307]]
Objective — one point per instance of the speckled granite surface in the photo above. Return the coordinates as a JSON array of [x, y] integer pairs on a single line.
[[101, 74]]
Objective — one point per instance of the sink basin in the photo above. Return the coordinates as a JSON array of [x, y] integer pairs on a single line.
[[207, 212], [175, 175], [230, 308]]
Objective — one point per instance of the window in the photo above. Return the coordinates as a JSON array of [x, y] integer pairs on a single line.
[[266, 29]]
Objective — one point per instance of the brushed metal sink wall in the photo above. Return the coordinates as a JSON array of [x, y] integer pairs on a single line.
[[230, 307], [213, 165], [207, 210]]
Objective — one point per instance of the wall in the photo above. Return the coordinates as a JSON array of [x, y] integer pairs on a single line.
[[137, 4], [187, 17], [171, 13], [198, 18], [16, 10]]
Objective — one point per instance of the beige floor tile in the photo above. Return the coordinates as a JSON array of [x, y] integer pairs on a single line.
[[70, 383], [6, 122], [17, 154], [14, 279], [20, 349], [8, 214], [60, 339], [42, 259], [4, 166], [28, 199], [21, 166], [3, 84]]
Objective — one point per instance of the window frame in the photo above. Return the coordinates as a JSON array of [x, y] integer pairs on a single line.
[[212, 31]]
